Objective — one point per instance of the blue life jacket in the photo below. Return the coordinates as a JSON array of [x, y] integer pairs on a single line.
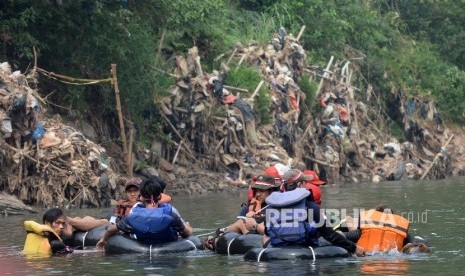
[[152, 226], [287, 219]]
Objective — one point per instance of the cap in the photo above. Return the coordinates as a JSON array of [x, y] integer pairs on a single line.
[[316, 192], [293, 176], [133, 182], [316, 180], [264, 182]]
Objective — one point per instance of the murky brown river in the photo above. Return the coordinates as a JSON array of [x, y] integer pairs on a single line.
[[435, 208]]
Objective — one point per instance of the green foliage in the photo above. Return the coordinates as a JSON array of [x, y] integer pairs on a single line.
[[262, 106], [397, 132], [255, 5], [439, 22], [309, 89], [244, 77], [248, 78]]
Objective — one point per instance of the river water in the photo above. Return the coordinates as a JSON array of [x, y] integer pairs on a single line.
[[435, 209]]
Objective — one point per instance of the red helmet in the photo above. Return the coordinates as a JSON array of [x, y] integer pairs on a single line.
[[277, 171], [315, 180]]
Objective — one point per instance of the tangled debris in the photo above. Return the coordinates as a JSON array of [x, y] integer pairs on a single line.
[[342, 134], [43, 160]]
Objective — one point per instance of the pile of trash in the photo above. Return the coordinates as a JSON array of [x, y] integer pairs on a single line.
[[44, 161], [343, 139]]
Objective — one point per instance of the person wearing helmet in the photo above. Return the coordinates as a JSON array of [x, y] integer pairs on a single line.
[[124, 205], [313, 185], [262, 186], [150, 221], [294, 183]]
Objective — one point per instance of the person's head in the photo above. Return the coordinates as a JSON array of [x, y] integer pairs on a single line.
[[384, 208], [295, 179], [132, 189], [315, 179], [263, 186], [151, 189], [56, 219]]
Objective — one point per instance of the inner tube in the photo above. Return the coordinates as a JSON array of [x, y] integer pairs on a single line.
[[295, 253], [232, 243], [90, 238], [122, 244]]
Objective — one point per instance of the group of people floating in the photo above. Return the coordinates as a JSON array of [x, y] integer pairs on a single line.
[[283, 206]]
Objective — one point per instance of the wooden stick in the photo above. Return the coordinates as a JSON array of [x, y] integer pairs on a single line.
[[219, 144], [256, 90], [76, 196], [236, 88], [114, 81], [231, 56], [179, 135], [160, 45], [177, 152], [436, 157], [321, 162], [320, 86], [240, 61], [296, 118], [301, 32], [164, 72]]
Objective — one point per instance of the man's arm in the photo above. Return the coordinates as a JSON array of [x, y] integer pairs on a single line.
[[183, 228], [327, 232], [110, 231]]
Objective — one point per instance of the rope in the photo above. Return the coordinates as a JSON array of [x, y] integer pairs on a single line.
[[229, 244], [193, 244], [70, 80], [84, 240], [313, 253], [260, 254]]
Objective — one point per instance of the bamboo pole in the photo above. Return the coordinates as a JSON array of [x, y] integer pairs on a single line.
[[160, 45], [114, 81], [436, 157], [231, 56], [325, 75], [321, 162], [296, 118], [240, 61], [301, 32], [256, 90], [177, 152], [236, 88], [179, 135]]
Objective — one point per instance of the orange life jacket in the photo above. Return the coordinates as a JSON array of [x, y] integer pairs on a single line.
[[124, 207], [382, 231], [255, 205]]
